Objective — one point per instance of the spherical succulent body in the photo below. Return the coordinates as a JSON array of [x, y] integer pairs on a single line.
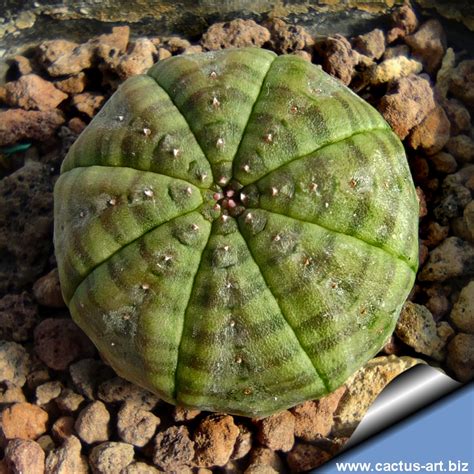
[[236, 231]]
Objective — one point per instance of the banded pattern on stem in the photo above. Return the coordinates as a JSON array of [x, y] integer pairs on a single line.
[[236, 231]]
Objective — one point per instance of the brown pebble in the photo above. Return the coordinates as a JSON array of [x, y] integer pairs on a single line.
[[444, 162], [18, 316], [215, 438], [432, 133], [11, 393], [407, 102], [338, 58], [24, 457], [69, 401], [74, 84], [15, 363], [59, 342], [184, 414], [461, 356], [286, 38], [67, 459], [428, 44], [23, 421], [18, 124], [462, 148], [305, 457], [48, 391], [92, 424], [265, 456], [88, 103], [236, 34], [110, 457], [243, 443], [47, 290], [371, 44], [33, 92], [277, 431], [62, 428], [135, 425], [173, 449]]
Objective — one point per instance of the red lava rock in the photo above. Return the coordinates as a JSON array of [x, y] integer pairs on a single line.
[[458, 115], [371, 44], [22, 421], [138, 60], [462, 148], [111, 457], [338, 58], [33, 92], [74, 84], [173, 449], [432, 134], [461, 356], [18, 316], [15, 363], [67, 459], [444, 162], [305, 457], [63, 428], [462, 82], [407, 102], [59, 342], [404, 23], [277, 431], [88, 103], [215, 438], [24, 456], [17, 125], [135, 425], [92, 424], [428, 44], [288, 38], [235, 34], [47, 290]]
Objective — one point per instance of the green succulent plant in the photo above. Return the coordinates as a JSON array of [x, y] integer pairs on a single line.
[[236, 231]]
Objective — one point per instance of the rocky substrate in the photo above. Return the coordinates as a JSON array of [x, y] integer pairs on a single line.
[[63, 410]]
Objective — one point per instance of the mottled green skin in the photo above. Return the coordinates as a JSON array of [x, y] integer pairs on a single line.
[[255, 313]]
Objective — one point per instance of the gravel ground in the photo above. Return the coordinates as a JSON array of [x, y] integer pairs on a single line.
[[63, 410]]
